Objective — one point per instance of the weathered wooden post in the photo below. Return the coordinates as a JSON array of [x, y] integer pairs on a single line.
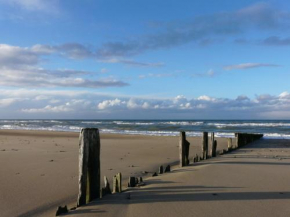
[[106, 189], [212, 141], [89, 165], [214, 148], [117, 183], [167, 169], [161, 170], [230, 144], [183, 150], [205, 145], [237, 140], [132, 182]]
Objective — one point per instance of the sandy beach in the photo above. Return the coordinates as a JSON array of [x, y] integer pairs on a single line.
[[39, 172], [40, 168], [252, 181]]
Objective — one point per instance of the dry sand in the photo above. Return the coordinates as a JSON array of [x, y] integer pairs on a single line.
[[39, 169], [252, 181]]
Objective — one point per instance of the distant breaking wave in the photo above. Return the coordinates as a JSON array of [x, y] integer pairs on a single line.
[[222, 128]]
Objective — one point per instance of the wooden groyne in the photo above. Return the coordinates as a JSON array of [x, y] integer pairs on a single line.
[[89, 162], [246, 138]]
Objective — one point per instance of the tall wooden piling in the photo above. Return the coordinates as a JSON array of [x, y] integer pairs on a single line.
[[214, 147], [205, 145], [183, 150], [212, 141], [89, 165], [230, 144]]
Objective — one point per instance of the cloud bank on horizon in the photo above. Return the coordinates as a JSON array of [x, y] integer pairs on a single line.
[[230, 62]]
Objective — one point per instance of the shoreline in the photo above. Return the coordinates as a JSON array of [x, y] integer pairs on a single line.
[[196, 134]]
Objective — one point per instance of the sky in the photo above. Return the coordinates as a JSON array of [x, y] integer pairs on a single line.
[[129, 59]]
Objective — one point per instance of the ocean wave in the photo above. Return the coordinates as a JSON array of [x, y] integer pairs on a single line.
[[190, 123], [220, 125], [91, 122], [132, 123], [276, 136]]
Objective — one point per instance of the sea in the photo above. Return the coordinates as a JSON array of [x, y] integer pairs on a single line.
[[222, 128]]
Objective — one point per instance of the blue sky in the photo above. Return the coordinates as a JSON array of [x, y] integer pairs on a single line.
[[145, 59]]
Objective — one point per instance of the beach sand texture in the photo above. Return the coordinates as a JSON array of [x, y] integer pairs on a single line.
[[252, 181], [39, 169]]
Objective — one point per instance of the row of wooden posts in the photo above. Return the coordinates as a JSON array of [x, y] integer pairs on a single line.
[[89, 161]]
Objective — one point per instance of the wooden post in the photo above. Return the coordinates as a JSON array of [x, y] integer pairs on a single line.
[[167, 169], [214, 148], [89, 165], [230, 144], [212, 142], [237, 140], [205, 145], [183, 150], [132, 182], [119, 178], [117, 183], [161, 170]]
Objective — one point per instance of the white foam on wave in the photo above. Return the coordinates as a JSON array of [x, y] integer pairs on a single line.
[[132, 123], [276, 136], [91, 122], [221, 125], [183, 123]]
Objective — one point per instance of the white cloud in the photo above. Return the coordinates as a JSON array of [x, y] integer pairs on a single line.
[[49, 108], [146, 105], [249, 66], [85, 104], [284, 95], [6, 102], [109, 103], [20, 67], [131, 104], [205, 98]]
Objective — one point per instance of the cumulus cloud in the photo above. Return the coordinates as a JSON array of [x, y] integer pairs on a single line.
[[249, 66], [85, 104], [109, 103]]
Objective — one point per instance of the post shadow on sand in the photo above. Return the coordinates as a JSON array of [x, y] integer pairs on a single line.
[[269, 143], [181, 194]]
